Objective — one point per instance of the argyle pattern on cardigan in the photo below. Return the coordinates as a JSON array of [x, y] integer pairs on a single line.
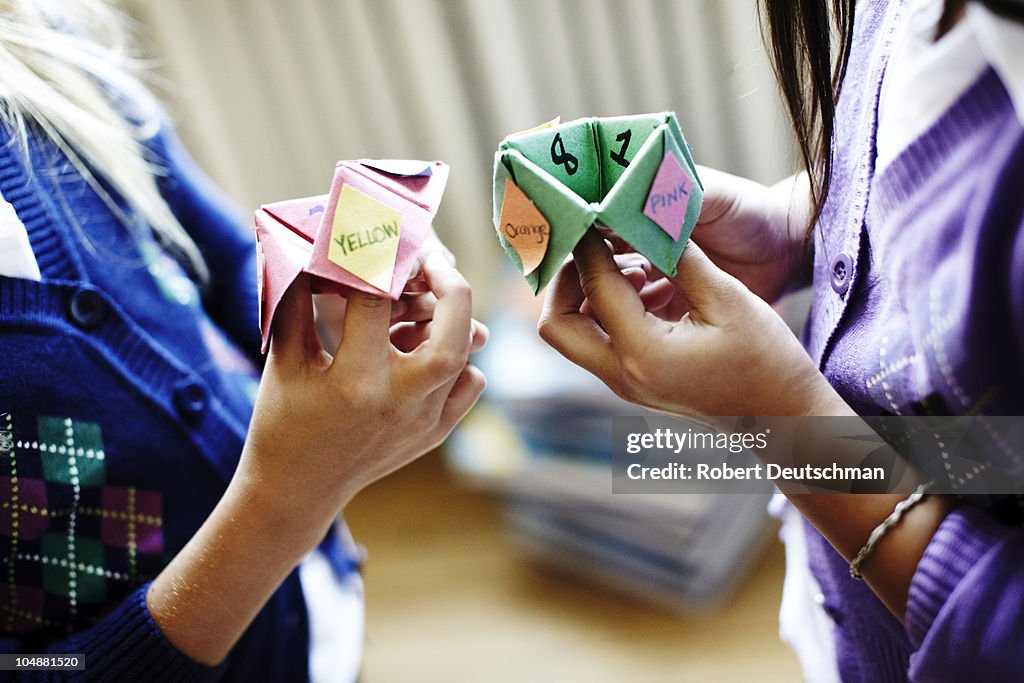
[[70, 543]]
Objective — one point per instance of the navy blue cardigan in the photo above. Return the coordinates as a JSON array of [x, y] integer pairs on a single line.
[[124, 401]]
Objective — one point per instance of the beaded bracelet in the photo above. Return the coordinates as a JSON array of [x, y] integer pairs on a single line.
[[883, 528]]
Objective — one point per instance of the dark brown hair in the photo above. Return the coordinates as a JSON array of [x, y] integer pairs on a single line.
[[809, 46]]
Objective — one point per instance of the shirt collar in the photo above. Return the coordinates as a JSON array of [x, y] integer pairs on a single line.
[[1002, 42]]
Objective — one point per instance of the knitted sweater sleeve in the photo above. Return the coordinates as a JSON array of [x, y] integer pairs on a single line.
[[965, 611], [126, 645]]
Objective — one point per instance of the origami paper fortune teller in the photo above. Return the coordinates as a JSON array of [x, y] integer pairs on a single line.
[[632, 174], [365, 234]]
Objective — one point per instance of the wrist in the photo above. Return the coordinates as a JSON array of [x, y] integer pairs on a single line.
[[213, 588], [791, 384], [821, 398], [298, 522]]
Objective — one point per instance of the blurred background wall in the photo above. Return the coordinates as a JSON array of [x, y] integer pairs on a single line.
[[269, 93]]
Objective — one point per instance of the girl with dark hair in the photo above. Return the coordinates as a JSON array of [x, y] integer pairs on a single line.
[[908, 222]]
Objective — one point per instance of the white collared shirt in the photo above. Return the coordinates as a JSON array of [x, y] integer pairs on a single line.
[[924, 77]]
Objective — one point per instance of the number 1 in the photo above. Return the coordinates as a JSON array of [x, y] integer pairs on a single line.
[[620, 156]]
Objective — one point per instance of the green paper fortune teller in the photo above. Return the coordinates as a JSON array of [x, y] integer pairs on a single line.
[[631, 174]]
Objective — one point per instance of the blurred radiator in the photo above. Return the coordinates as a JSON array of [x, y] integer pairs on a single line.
[[270, 93]]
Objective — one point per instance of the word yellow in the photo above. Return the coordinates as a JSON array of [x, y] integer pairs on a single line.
[[354, 241]]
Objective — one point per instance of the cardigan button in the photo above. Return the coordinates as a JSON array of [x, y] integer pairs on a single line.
[[190, 398], [840, 273], [87, 309]]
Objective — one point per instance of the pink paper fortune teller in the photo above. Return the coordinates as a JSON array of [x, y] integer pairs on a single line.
[[364, 235]]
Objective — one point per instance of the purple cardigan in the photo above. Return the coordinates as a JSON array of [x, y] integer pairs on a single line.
[[918, 308]]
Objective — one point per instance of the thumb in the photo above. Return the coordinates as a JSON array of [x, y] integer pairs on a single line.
[[611, 295], [705, 286]]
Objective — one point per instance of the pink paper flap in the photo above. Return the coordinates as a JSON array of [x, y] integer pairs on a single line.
[[425, 190], [415, 225], [285, 254], [300, 215], [294, 236]]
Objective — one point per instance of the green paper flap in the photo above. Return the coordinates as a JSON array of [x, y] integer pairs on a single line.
[[614, 161], [684, 148], [567, 152], [678, 146], [623, 208], [569, 216], [619, 138]]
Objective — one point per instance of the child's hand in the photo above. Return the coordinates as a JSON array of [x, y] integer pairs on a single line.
[[730, 354], [325, 427], [415, 306], [417, 301], [752, 231]]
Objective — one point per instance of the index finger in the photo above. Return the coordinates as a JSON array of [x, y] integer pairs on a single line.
[[416, 283], [451, 329], [613, 299]]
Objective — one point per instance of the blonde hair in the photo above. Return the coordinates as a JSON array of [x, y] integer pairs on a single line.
[[66, 66]]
